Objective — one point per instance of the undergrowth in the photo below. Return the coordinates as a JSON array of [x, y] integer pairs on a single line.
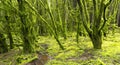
[[81, 53]]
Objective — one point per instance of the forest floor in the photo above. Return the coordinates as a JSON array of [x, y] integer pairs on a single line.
[[74, 54]]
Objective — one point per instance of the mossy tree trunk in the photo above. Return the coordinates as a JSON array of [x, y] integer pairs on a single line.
[[42, 28], [118, 15], [118, 20], [11, 40], [26, 28], [65, 15], [9, 32], [96, 39], [95, 29], [53, 27], [3, 44]]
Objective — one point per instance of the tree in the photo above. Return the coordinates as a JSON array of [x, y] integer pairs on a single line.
[[3, 44], [95, 29], [9, 31], [118, 14], [27, 26]]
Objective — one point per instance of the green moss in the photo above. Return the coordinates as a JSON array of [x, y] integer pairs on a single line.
[[74, 53]]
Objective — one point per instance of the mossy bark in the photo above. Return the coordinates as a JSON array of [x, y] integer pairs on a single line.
[[96, 39], [27, 37], [11, 40], [99, 11], [27, 46], [9, 32], [118, 20], [3, 44]]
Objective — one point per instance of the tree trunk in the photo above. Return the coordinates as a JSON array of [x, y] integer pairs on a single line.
[[96, 39], [75, 3], [9, 32], [3, 44], [27, 37], [11, 40], [118, 20], [65, 15], [118, 15], [27, 46]]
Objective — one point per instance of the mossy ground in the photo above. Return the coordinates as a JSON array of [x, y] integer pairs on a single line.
[[81, 53], [84, 54]]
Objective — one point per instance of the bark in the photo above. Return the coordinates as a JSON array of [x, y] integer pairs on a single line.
[[96, 39], [55, 32], [74, 3], [11, 40], [25, 29], [119, 21], [3, 44], [27, 46], [94, 32], [65, 15], [9, 32], [118, 15]]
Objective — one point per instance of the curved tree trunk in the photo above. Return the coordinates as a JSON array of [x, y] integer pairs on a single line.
[[99, 11]]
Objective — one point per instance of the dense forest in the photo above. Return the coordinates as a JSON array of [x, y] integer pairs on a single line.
[[59, 32]]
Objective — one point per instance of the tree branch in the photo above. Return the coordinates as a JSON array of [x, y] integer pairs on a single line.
[[95, 9], [105, 6], [86, 11], [95, 24], [100, 13], [82, 12]]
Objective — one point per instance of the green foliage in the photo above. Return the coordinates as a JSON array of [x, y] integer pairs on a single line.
[[38, 25], [22, 59]]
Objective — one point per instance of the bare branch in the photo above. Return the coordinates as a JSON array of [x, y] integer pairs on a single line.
[[105, 6]]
